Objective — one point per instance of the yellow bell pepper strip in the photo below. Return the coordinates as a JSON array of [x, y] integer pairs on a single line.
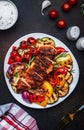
[[61, 78], [48, 88]]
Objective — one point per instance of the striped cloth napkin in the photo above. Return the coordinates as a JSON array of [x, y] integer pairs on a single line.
[[12, 117]]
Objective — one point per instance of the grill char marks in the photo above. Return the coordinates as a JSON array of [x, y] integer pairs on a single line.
[[42, 61], [41, 66], [40, 71], [47, 50], [35, 77]]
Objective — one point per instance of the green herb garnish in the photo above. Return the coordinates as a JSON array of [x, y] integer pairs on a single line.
[[16, 74], [56, 88], [56, 66], [72, 71], [60, 55], [14, 88], [30, 61]]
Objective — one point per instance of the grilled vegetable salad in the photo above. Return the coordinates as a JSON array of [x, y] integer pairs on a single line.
[[40, 70]]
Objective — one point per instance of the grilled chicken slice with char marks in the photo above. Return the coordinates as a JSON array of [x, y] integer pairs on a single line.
[[41, 66], [34, 78], [45, 63], [21, 85], [40, 71], [47, 50]]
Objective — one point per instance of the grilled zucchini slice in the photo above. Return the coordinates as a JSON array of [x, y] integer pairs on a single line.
[[64, 61], [48, 41]]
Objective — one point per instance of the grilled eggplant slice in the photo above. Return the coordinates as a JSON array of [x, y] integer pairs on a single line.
[[64, 90], [53, 98]]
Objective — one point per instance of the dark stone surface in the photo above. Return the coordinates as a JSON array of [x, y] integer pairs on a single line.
[[30, 20]]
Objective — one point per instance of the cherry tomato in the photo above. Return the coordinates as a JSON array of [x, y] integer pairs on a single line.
[[18, 58], [24, 44], [66, 7], [10, 60], [60, 50], [61, 70], [14, 48], [14, 53], [53, 14], [26, 56], [31, 40], [72, 2], [33, 51], [61, 23]]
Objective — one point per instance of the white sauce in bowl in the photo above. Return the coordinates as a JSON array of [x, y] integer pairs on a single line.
[[8, 14]]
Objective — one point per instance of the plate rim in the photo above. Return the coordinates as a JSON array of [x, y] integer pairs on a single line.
[[35, 106]]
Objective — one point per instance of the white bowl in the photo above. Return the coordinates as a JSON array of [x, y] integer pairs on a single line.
[[8, 14]]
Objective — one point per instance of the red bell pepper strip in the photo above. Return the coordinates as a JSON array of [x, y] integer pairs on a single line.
[[54, 81], [36, 98], [60, 50]]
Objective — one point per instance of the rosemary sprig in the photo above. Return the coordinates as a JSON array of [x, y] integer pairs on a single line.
[[72, 71], [30, 61], [60, 55]]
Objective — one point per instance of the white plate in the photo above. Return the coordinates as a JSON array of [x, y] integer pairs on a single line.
[[58, 43]]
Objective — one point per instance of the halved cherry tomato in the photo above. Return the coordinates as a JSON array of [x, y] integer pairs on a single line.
[[10, 60], [36, 98], [66, 7], [24, 44], [61, 70], [14, 48], [31, 40], [60, 50], [14, 53], [18, 58], [26, 56], [33, 51]]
